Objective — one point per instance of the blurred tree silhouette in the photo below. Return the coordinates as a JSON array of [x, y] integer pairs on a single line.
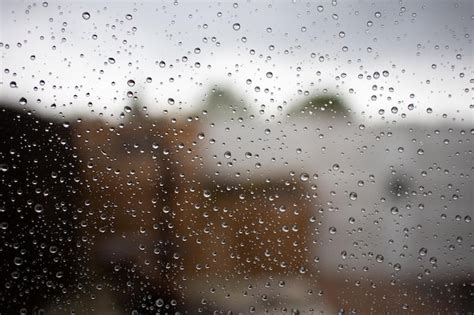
[[223, 102], [326, 105]]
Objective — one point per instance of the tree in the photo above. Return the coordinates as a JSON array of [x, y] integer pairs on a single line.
[[321, 105]]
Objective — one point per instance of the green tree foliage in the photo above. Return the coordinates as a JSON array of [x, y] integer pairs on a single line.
[[223, 102], [321, 105]]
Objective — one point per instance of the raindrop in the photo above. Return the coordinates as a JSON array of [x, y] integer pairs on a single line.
[[304, 177], [39, 208], [394, 210], [86, 15], [379, 258]]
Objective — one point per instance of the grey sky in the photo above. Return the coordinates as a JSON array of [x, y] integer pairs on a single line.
[[426, 47]]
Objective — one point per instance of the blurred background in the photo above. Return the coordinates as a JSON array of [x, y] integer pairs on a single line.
[[236, 157]]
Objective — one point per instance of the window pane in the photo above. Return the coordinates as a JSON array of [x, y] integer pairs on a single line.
[[236, 157]]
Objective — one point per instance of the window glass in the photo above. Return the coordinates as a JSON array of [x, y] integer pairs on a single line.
[[250, 157]]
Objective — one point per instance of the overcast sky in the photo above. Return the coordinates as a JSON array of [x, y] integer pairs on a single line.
[[284, 48]]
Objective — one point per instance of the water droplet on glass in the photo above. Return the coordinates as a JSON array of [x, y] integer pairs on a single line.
[[423, 251], [394, 210], [86, 15], [39, 208], [304, 177]]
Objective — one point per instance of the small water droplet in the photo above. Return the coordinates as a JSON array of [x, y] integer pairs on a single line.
[[353, 196], [304, 177], [39, 208], [423, 251]]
